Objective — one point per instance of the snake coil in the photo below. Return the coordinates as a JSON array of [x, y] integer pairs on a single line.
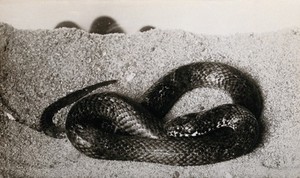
[[114, 127]]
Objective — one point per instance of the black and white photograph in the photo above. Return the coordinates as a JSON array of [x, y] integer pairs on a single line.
[[149, 88]]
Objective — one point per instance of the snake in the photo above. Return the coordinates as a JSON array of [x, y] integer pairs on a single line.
[[112, 126]]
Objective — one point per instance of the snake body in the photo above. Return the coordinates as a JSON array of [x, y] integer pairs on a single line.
[[111, 126]]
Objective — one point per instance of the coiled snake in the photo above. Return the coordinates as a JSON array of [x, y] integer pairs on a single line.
[[111, 126]]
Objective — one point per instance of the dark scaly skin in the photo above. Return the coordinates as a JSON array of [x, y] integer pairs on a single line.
[[111, 126], [48, 127], [160, 98]]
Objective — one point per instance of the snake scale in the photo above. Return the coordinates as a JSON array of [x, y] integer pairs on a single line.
[[112, 126]]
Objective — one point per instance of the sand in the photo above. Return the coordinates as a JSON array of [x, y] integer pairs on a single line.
[[39, 66]]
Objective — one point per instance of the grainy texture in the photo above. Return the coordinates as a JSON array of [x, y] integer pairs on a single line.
[[89, 118], [37, 67]]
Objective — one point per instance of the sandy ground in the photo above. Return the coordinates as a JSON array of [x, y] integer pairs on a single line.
[[37, 67]]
